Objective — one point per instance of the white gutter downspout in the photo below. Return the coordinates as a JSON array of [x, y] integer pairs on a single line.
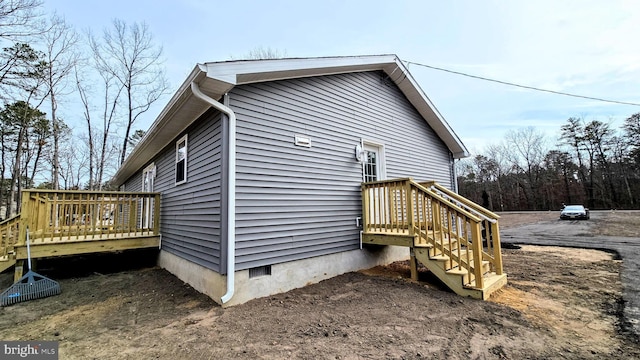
[[231, 190]]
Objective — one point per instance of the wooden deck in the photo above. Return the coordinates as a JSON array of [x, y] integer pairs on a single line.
[[61, 223], [87, 244], [456, 239]]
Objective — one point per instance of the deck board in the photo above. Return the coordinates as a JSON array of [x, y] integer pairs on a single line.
[[76, 245], [386, 237]]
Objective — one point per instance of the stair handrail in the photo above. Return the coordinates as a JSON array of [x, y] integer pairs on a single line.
[[482, 212], [3, 222], [471, 210], [463, 211]]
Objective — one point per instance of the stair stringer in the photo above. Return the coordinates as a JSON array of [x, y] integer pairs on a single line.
[[455, 279]]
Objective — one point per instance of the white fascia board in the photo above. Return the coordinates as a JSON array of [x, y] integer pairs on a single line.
[[252, 71]]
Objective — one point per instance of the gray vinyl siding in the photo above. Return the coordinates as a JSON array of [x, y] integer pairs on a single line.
[[134, 183], [294, 202], [190, 212]]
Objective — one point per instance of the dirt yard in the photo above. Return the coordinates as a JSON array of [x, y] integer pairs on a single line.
[[560, 303]]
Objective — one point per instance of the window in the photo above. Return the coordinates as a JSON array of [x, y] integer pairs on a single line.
[[181, 160], [373, 168]]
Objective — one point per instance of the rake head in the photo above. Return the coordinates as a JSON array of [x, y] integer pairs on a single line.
[[30, 286]]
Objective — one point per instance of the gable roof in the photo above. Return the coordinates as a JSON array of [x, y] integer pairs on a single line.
[[217, 78]]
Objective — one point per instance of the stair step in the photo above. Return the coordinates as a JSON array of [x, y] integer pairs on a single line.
[[463, 274], [439, 258], [423, 245], [457, 271], [492, 282], [442, 257]]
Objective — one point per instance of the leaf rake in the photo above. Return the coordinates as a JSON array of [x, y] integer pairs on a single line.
[[30, 286]]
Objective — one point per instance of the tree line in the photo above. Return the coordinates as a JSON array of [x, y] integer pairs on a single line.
[[47, 68], [589, 163]]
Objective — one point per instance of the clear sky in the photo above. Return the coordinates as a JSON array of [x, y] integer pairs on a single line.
[[583, 47]]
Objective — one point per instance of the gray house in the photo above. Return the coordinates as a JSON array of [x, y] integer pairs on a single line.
[[260, 163]]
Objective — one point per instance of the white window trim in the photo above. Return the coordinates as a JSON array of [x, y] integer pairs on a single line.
[[186, 159], [151, 168], [381, 152]]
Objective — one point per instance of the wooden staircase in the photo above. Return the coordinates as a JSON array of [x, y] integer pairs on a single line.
[[456, 239]]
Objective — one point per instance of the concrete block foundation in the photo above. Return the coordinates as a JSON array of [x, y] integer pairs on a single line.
[[284, 277]]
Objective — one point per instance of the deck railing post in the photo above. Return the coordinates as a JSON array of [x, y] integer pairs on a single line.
[[24, 217], [393, 206], [497, 251], [133, 213], [476, 245], [410, 208], [438, 238]]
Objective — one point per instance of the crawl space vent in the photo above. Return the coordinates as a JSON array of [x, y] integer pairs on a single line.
[[260, 271]]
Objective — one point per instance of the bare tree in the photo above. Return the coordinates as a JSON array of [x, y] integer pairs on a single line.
[[74, 160], [593, 164], [60, 43], [527, 150], [99, 137], [129, 55], [19, 18], [86, 113], [262, 53], [498, 155]]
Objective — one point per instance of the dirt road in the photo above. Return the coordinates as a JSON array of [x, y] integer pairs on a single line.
[[560, 303], [614, 231]]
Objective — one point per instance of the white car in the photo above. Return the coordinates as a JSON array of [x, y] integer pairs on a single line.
[[574, 212]]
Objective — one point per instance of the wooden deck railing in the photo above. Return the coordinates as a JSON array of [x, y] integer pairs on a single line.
[[56, 215], [403, 206], [62, 216], [9, 230]]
